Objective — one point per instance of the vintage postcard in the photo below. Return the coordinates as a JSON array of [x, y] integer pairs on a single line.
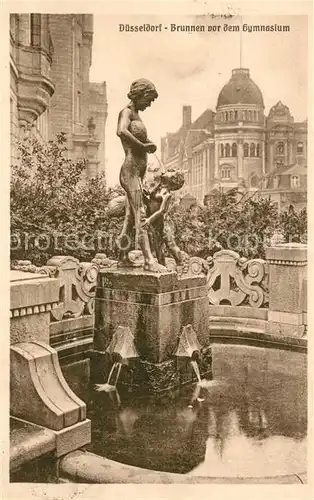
[[159, 166]]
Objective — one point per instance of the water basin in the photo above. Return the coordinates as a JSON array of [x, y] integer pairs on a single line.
[[250, 421]]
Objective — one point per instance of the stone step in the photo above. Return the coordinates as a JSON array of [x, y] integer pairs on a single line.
[[28, 442]]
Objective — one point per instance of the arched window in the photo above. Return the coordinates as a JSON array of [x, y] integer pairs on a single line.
[[300, 148], [252, 149], [226, 173], [280, 149], [226, 116], [235, 115], [258, 150], [222, 150], [254, 181], [246, 149], [295, 181], [227, 150], [234, 150]]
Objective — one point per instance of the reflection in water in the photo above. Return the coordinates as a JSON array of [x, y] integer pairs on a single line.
[[252, 422]]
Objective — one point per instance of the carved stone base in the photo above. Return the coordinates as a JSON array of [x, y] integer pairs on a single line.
[[39, 392], [143, 377], [155, 307]]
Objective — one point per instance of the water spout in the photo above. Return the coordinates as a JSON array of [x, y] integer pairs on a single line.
[[121, 348], [189, 348], [110, 386], [196, 370]]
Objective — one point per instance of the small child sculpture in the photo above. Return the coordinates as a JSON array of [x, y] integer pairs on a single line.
[[157, 204]]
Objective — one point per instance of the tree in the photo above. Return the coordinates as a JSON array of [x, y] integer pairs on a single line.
[[54, 210], [294, 225], [229, 220]]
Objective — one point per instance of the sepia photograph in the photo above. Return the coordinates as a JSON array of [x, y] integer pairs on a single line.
[[158, 247]]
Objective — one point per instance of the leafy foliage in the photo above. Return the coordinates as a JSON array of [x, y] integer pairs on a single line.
[[54, 209], [230, 220], [294, 225]]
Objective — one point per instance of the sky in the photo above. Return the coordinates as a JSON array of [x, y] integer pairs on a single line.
[[191, 68]]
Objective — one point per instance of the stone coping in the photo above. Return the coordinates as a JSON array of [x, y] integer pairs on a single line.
[[86, 467], [28, 441], [287, 253], [258, 339], [143, 281], [30, 293], [16, 275], [241, 312]]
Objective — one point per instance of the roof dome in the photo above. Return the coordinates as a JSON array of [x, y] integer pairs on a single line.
[[240, 90]]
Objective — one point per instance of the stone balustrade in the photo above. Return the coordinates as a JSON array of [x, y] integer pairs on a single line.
[[259, 296]]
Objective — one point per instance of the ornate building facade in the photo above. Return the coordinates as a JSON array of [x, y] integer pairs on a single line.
[[51, 56], [237, 145]]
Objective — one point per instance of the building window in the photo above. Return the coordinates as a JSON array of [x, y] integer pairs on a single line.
[[300, 148], [227, 150], [252, 149], [234, 150], [35, 28], [246, 149], [280, 149], [78, 107], [78, 58], [254, 181], [222, 150], [295, 181], [225, 173], [258, 150], [235, 115]]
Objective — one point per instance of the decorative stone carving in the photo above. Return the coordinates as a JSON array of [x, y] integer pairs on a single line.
[[192, 266], [233, 279], [77, 281]]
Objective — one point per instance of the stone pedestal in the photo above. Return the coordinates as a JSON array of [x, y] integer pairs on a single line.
[[287, 277], [155, 307]]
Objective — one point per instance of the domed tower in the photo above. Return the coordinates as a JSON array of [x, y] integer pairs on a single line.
[[239, 133]]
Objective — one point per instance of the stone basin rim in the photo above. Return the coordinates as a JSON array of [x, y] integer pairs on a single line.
[[82, 464]]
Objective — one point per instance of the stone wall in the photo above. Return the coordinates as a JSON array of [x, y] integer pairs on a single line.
[[62, 105]]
